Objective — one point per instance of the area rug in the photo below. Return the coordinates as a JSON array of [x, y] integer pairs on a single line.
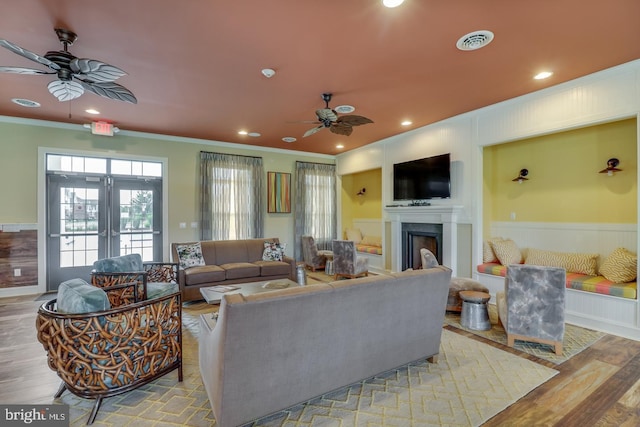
[[471, 382], [576, 338]]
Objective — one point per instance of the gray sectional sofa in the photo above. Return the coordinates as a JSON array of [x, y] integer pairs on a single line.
[[269, 351], [230, 261]]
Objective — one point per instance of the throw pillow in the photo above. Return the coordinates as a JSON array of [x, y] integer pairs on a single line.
[[620, 267], [571, 262], [190, 255], [77, 296], [428, 259], [273, 251], [507, 252], [354, 235], [371, 241], [487, 252]]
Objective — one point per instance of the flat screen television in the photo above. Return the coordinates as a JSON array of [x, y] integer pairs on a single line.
[[421, 179]]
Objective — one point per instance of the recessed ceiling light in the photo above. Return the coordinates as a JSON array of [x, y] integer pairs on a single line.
[[268, 72], [254, 134], [92, 111], [339, 146], [345, 109], [475, 40], [543, 75], [242, 132], [392, 3], [289, 139], [406, 123], [25, 102]]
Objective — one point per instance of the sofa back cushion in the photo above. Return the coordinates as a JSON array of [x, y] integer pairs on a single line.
[[119, 264]]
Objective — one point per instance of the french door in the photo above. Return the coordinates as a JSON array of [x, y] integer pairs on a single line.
[[91, 216]]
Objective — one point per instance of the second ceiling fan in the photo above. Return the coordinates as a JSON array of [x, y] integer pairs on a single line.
[[341, 125]]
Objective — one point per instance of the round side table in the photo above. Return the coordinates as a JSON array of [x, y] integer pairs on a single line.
[[475, 314]]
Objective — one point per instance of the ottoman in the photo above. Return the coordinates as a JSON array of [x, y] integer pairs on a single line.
[[457, 284]]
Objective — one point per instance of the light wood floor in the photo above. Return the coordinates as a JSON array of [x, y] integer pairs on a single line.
[[598, 387]]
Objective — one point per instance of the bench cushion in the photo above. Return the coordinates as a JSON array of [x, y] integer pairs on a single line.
[[368, 249], [578, 281]]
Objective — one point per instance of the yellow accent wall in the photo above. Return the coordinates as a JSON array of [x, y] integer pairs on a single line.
[[368, 205], [564, 184]]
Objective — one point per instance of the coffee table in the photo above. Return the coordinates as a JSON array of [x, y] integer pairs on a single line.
[[213, 296]]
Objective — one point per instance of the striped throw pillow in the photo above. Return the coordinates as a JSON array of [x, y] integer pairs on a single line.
[[620, 267]]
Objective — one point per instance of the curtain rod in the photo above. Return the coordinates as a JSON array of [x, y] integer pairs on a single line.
[[227, 154]]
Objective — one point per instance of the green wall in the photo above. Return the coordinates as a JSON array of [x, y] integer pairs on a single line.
[[19, 171], [564, 184]]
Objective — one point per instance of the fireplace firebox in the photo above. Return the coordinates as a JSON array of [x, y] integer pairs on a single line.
[[416, 236]]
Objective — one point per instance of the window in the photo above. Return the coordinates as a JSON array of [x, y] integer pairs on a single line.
[[315, 204], [231, 196]]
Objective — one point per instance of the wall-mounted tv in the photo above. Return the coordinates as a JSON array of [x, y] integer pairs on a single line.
[[421, 179]]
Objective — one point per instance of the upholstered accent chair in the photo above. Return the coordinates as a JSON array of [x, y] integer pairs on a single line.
[[99, 351], [130, 280], [531, 308], [346, 262], [314, 259]]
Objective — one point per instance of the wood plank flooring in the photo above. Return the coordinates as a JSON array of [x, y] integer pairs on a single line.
[[598, 387]]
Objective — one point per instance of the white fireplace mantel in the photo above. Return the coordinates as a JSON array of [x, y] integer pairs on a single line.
[[448, 216]]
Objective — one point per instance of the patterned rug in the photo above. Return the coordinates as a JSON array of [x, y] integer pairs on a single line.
[[576, 338], [471, 382]]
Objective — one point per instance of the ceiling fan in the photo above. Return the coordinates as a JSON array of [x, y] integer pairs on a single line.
[[75, 75], [328, 118]]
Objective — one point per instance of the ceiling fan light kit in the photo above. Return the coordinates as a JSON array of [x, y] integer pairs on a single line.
[[340, 125], [75, 75]]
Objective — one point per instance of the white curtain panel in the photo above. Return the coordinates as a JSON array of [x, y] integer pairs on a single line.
[[231, 198], [315, 205]]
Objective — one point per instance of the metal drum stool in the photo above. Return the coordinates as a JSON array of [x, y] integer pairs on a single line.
[[475, 314]]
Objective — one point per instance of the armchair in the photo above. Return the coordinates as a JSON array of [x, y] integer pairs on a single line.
[[99, 351], [130, 280], [346, 262], [532, 306], [314, 258]]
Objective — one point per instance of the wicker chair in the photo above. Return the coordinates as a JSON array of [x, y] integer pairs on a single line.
[[106, 353], [118, 273]]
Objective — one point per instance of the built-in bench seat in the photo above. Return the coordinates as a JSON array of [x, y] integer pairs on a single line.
[[581, 282], [369, 249]]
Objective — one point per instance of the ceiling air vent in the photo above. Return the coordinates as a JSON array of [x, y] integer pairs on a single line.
[[25, 102], [475, 40]]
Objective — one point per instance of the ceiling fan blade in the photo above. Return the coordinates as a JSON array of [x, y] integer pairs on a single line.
[[22, 70], [65, 90], [28, 54], [94, 70], [313, 130], [341, 128], [327, 114], [110, 90], [354, 120]]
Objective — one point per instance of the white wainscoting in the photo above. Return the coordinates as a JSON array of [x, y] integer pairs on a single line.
[[615, 315]]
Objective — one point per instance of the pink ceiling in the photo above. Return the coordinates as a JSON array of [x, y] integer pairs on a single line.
[[194, 65]]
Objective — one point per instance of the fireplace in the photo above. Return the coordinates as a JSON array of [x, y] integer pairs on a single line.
[[416, 236]]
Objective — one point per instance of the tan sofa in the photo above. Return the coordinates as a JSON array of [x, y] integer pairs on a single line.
[[228, 262], [269, 351]]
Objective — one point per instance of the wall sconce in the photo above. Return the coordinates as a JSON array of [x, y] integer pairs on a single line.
[[521, 176], [611, 166], [361, 192]]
